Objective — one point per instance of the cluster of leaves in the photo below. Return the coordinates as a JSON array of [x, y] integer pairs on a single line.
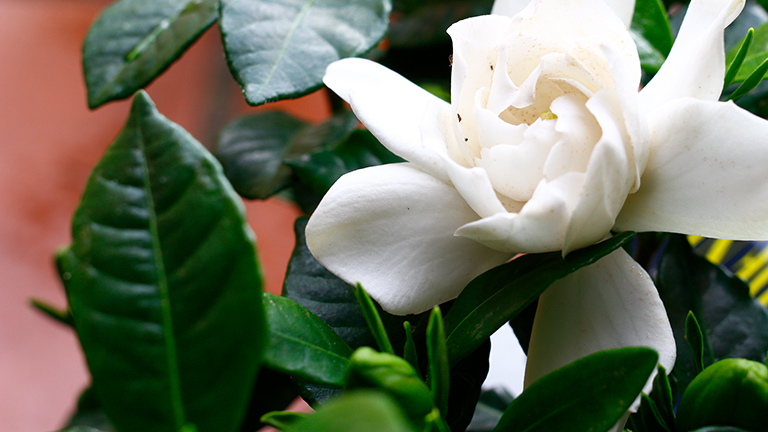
[[163, 280]]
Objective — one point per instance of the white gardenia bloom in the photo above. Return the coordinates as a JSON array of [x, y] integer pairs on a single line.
[[546, 145]]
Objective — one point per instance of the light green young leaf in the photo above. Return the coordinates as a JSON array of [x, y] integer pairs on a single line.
[[163, 282], [360, 410], [279, 50], [756, 54], [439, 369], [372, 317], [134, 41]]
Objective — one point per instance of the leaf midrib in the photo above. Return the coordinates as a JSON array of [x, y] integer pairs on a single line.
[[288, 38], [162, 283]]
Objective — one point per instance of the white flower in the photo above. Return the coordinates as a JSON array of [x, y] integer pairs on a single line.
[[547, 145]]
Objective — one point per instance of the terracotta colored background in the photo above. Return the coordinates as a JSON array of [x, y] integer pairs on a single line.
[[49, 142]]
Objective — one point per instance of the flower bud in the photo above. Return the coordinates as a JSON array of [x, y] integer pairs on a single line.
[[731, 392]]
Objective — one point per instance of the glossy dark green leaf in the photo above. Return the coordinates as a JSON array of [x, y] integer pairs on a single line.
[[321, 169], [272, 391], [361, 410], [652, 34], [650, 21], [437, 356], [734, 324], [590, 394], [424, 22], [280, 49], [498, 295], [490, 407], [300, 344], [163, 282], [333, 300], [393, 376], [134, 41], [695, 338], [373, 319], [89, 412], [466, 380], [651, 58], [252, 149]]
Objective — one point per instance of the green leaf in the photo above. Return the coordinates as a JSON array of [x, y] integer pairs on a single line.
[[409, 350], [279, 50], [466, 380], [321, 169], [695, 338], [163, 282], [252, 149], [650, 21], [302, 345], [392, 375], [756, 54], [134, 41], [590, 394], [437, 355], [661, 394], [498, 295], [735, 324], [333, 300], [424, 22], [281, 393], [375, 324], [89, 412], [651, 58], [735, 65], [752, 81], [490, 408], [652, 34], [309, 284], [60, 316], [361, 410], [282, 419]]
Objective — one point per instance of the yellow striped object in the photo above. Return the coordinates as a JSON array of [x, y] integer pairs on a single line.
[[747, 260]]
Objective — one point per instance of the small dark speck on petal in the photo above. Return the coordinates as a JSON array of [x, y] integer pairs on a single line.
[[459, 116]]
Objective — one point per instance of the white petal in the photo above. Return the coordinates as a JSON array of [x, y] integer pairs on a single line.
[[516, 170], [623, 8], [609, 177], [541, 224], [390, 227], [573, 21], [394, 109], [696, 65], [610, 304], [509, 8], [475, 187], [475, 42], [707, 173]]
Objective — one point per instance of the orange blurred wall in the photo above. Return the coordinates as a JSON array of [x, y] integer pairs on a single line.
[[49, 142]]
